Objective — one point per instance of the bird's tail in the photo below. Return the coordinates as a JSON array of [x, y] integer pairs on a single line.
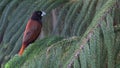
[[21, 50]]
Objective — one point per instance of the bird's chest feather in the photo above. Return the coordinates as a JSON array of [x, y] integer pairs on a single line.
[[32, 31], [32, 25]]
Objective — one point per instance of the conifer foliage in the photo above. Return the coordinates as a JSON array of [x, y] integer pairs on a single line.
[[77, 34]]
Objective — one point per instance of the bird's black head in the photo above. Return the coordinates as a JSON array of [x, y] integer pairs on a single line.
[[37, 15]]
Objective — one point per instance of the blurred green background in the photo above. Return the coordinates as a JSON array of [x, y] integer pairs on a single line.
[[75, 34]]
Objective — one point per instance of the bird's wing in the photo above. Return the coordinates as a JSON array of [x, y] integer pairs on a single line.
[[30, 34]]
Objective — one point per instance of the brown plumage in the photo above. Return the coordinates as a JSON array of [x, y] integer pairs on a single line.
[[32, 30]]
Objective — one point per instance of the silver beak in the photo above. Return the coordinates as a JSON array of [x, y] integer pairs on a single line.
[[43, 13]]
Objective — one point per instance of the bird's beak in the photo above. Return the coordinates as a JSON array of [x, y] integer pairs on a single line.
[[43, 13]]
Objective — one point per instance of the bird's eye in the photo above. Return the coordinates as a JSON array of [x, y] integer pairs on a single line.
[[38, 13]]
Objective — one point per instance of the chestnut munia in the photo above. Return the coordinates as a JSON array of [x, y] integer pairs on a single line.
[[32, 30]]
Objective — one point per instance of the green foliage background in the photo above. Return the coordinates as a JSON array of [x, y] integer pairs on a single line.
[[78, 34]]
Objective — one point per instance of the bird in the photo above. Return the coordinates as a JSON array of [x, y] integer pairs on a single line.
[[32, 30]]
